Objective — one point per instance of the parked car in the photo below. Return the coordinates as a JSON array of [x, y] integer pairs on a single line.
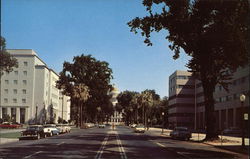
[[33, 132], [181, 133], [89, 125], [101, 126], [139, 129], [51, 130], [9, 125], [232, 131], [133, 125], [63, 128]]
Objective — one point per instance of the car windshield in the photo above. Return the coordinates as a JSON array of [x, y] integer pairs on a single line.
[[140, 126], [181, 129], [33, 128]]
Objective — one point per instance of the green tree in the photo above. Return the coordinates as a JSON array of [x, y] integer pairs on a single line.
[[94, 74], [7, 62], [213, 33], [124, 100]]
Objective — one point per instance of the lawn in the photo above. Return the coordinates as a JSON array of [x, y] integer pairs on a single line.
[[11, 135]]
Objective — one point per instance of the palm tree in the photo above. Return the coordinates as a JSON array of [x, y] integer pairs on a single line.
[[81, 93]]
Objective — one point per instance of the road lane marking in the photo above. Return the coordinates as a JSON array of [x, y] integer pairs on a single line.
[[160, 144], [100, 151], [121, 149], [60, 143], [33, 154]]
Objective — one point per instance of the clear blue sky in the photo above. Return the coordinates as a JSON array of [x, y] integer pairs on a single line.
[[58, 30]]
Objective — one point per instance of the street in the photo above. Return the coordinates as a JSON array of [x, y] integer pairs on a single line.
[[107, 143]]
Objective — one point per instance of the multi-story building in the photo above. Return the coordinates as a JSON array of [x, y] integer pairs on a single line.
[[29, 93], [181, 99], [227, 108]]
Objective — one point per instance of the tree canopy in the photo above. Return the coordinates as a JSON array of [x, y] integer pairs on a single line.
[[7, 62], [213, 33], [93, 74]]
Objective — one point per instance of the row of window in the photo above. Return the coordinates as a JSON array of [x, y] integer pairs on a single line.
[[25, 73], [232, 97], [24, 91], [14, 100], [179, 77], [16, 82], [181, 87]]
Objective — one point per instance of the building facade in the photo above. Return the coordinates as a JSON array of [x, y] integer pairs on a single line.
[[181, 99], [186, 96], [29, 93]]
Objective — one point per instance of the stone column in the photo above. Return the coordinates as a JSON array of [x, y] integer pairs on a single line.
[[26, 115], [9, 111], [220, 124], [18, 114], [234, 117], [1, 113]]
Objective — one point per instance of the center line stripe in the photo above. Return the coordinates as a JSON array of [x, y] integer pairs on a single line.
[[100, 151], [121, 149]]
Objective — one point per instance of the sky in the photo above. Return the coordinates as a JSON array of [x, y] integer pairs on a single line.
[[58, 30]]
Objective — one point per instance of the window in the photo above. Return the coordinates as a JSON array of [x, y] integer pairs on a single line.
[[16, 72], [6, 81], [25, 63], [24, 82], [5, 100], [14, 100], [15, 91], [24, 91], [6, 91], [23, 100], [15, 81], [25, 73]]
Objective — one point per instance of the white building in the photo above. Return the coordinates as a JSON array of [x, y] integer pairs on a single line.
[[116, 118], [29, 93]]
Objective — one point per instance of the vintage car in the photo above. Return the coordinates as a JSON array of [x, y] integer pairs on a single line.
[[101, 125], [180, 133], [33, 132], [63, 128], [51, 130], [139, 128]]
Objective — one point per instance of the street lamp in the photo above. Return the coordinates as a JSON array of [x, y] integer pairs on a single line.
[[242, 100], [162, 121]]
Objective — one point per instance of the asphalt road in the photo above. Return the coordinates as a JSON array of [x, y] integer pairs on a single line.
[[107, 143]]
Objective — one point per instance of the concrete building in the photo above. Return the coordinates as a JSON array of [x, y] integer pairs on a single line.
[[29, 93], [227, 108], [181, 99], [186, 97], [116, 118]]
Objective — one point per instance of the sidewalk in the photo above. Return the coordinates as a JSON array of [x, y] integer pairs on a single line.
[[7, 140], [228, 143]]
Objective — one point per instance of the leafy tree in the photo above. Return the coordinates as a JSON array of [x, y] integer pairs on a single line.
[[92, 73], [7, 62], [124, 100], [213, 33]]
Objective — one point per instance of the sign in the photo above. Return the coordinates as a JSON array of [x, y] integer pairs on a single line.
[[245, 116]]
